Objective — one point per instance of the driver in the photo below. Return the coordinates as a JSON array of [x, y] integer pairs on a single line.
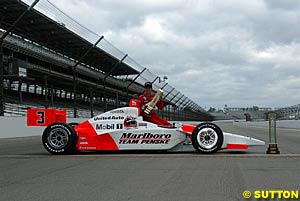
[[145, 98]]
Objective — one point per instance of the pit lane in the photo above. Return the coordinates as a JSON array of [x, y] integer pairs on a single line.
[[28, 172]]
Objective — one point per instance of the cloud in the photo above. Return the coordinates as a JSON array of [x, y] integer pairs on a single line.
[[239, 53]]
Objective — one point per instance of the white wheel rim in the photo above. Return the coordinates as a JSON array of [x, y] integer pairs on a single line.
[[207, 138], [58, 138]]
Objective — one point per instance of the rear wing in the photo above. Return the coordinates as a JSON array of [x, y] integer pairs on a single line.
[[45, 117]]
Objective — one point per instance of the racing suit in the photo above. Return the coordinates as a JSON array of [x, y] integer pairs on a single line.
[[154, 117]]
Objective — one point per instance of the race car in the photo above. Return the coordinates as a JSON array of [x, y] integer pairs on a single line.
[[125, 129]]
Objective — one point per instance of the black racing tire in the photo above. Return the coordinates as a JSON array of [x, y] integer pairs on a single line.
[[59, 138], [74, 151], [207, 138]]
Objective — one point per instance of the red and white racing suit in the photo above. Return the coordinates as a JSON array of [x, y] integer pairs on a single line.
[[154, 117]]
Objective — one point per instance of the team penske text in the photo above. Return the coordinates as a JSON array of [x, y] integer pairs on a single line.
[[145, 138]]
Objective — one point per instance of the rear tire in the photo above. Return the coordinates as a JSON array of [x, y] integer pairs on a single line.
[[207, 138], [59, 138]]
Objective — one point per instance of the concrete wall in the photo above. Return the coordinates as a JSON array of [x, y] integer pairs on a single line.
[[17, 127]]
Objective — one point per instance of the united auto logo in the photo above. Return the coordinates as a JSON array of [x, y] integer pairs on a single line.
[[145, 138], [108, 118]]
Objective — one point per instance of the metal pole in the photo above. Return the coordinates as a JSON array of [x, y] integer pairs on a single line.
[[186, 104], [163, 111], [194, 106], [183, 112], [20, 90], [114, 67], [34, 89], [155, 79], [27, 87], [164, 85], [174, 112], [177, 107], [117, 96], [135, 79], [75, 94], [174, 97], [169, 93], [174, 104], [74, 74], [104, 80], [46, 90], [88, 51], [52, 96], [1, 80], [168, 112], [19, 18], [178, 99], [189, 105], [92, 102], [182, 102]]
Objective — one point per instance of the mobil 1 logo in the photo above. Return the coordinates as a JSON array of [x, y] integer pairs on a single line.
[[108, 126]]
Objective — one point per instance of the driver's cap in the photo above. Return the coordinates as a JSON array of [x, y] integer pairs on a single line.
[[148, 84]]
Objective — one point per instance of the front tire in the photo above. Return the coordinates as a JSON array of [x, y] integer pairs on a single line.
[[59, 138], [207, 138]]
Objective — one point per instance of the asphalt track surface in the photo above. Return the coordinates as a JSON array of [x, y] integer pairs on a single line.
[[28, 172]]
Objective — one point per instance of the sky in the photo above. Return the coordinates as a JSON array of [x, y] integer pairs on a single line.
[[239, 53]]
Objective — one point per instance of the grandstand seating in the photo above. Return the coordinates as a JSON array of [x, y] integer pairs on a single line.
[[71, 63], [13, 107], [221, 116], [239, 113], [38, 51], [291, 112], [20, 109]]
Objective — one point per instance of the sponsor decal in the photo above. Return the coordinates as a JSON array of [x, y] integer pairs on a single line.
[[87, 148], [108, 126], [133, 102], [145, 138], [130, 122], [143, 124], [117, 112], [108, 118]]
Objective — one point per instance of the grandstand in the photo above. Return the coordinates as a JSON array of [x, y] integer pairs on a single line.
[[291, 112], [49, 60], [247, 113]]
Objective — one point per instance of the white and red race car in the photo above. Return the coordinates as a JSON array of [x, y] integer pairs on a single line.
[[124, 129]]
